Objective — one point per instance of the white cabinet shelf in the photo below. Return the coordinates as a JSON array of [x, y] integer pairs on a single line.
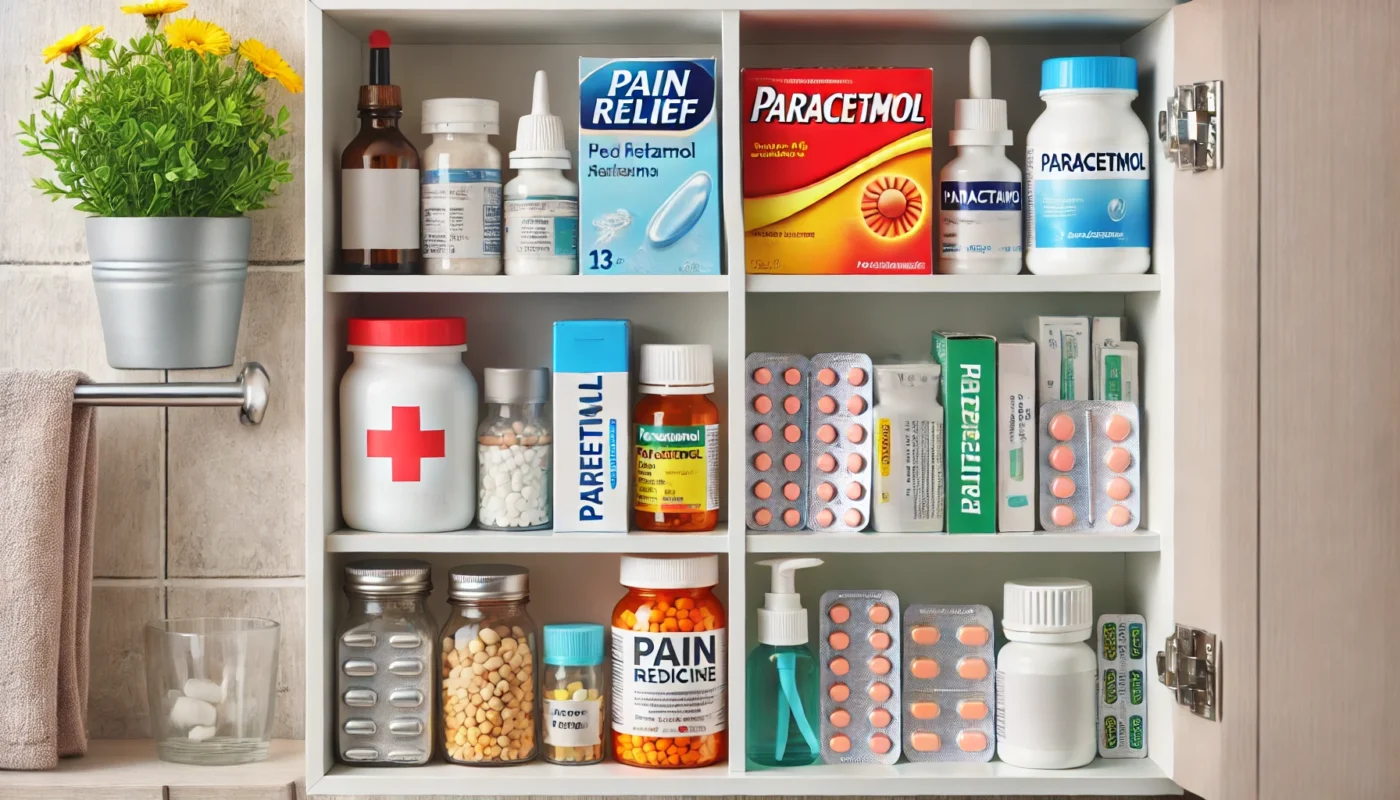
[[491, 48]]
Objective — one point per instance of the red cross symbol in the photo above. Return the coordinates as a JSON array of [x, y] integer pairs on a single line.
[[407, 444]]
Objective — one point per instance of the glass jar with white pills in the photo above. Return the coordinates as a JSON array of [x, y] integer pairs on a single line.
[[513, 446]]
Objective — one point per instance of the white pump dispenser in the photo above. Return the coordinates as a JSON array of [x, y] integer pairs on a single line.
[[782, 620], [541, 205], [980, 202]]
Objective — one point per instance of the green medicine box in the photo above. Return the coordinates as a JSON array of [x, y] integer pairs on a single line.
[[968, 390]]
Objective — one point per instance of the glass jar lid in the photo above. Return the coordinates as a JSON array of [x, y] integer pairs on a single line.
[[516, 385], [475, 582], [388, 576]]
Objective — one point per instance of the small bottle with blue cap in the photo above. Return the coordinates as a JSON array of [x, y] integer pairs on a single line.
[[572, 683]]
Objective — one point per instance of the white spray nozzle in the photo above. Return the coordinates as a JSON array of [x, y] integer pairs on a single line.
[[782, 620], [979, 70], [540, 105], [784, 572]]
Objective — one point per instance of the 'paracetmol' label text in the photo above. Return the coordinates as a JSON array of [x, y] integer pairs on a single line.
[[677, 468], [980, 218], [1087, 198], [668, 684]]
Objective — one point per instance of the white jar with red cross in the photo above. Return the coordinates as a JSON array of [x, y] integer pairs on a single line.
[[408, 427]]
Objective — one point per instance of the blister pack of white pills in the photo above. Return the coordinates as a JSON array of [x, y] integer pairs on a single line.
[[949, 683], [775, 465], [1122, 646], [859, 653], [1089, 459], [841, 424]]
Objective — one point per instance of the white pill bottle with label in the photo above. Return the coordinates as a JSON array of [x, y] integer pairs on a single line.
[[1046, 711], [1088, 197], [541, 205], [461, 193]]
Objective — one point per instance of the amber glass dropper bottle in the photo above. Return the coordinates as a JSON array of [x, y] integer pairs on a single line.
[[379, 180]]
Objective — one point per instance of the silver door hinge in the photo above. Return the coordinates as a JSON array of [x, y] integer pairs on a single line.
[[1190, 127], [1187, 667]]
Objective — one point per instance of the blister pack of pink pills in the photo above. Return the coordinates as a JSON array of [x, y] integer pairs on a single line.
[[859, 653], [1089, 475], [949, 683], [842, 426], [775, 391]]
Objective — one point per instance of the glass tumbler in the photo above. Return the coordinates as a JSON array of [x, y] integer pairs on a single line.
[[212, 687]]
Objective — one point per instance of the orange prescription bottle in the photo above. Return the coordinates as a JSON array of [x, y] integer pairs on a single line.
[[669, 640], [677, 440]]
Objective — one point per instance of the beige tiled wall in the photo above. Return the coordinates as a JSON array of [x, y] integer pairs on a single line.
[[197, 515]]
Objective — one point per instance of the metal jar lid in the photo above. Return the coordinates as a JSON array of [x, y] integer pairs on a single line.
[[475, 582], [517, 385], [388, 576]]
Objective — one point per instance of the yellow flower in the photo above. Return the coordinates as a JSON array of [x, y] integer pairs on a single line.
[[156, 8], [270, 63], [197, 35], [71, 43]]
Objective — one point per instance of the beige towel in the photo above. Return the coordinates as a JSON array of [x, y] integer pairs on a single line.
[[48, 492]]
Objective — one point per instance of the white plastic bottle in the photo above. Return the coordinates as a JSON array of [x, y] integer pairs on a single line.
[[1046, 714], [541, 207], [1087, 171], [461, 187], [980, 190]]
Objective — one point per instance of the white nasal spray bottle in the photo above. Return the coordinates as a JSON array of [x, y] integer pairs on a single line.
[[541, 205], [783, 680], [980, 190]]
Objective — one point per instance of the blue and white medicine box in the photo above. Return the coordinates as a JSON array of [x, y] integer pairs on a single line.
[[649, 194], [592, 458]]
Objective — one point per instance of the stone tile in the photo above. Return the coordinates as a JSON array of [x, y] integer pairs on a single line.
[[236, 493], [283, 604], [117, 697], [48, 320], [37, 231]]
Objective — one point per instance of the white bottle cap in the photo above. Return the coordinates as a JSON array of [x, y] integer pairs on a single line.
[[979, 120], [783, 620], [677, 369], [461, 115], [539, 140], [670, 572], [1047, 610]]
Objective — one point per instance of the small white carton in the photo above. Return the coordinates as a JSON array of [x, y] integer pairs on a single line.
[[1064, 356], [1016, 437], [592, 455], [1117, 370], [1103, 332]]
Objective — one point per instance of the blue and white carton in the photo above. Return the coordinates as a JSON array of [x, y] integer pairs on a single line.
[[591, 413], [649, 193]]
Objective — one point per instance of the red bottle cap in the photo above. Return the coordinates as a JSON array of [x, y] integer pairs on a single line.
[[431, 332]]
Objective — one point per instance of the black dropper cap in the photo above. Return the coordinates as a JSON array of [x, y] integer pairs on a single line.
[[379, 58]]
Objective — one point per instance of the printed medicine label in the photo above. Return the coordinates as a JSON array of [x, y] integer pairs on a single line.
[[573, 723], [461, 213], [668, 684], [980, 218], [677, 468], [1088, 199], [542, 226]]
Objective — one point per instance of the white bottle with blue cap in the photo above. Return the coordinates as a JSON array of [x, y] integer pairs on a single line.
[[1088, 199]]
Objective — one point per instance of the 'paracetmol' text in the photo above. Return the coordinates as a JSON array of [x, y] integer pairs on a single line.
[[592, 447], [861, 108], [970, 448], [675, 659], [1093, 162]]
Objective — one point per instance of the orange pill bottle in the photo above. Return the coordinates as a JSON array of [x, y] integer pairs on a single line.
[[676, 430], [668, 645]]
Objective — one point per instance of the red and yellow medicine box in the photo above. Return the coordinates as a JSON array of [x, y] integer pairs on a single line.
[[838, 171]]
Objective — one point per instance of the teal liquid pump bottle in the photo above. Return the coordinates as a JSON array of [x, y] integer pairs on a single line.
[[783, 680]]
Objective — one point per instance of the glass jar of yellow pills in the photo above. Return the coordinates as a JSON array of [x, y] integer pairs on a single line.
[[572, 689]]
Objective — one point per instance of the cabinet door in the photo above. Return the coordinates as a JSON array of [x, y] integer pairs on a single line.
[[1216, 470], [1330, 394]]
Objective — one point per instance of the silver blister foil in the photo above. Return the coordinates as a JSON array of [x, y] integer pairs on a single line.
[[842, 448], [777, 477], [949, 716], [1090, 445], [1122, 651], [860, 711]]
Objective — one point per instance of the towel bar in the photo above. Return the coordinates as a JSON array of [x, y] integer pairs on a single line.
[[249, 393]]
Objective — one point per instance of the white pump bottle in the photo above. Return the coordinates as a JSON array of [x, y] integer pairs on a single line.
[[980, 189], [541, 205]]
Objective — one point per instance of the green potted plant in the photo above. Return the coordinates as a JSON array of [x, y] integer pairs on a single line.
[[165, 141]]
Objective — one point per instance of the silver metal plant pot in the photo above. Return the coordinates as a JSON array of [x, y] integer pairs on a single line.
[[169, 289]]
